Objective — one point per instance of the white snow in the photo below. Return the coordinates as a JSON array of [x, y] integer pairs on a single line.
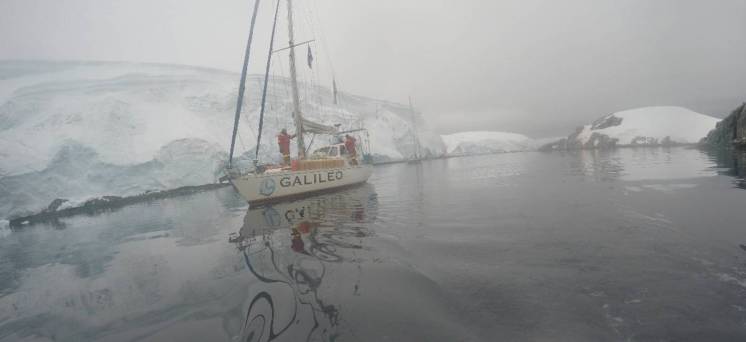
[[478, 142], [75, 202], [77, 130], [652, 125]]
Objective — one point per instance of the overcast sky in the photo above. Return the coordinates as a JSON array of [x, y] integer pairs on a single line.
[[535, 67]]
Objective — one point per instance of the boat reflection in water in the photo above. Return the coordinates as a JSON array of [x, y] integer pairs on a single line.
[[289, 248]]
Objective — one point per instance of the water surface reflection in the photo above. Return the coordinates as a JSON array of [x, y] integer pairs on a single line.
[[638, 164], [731, 163], [287, 247], [632, 244]]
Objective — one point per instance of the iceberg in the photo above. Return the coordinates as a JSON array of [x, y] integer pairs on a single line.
[[647, 126], [482, 142]]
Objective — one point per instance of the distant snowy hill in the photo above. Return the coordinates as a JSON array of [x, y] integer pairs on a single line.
[[480, 142], [79, 129], [647, 126]]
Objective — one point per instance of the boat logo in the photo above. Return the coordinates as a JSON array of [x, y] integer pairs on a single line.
[[267, 187], [306, 179]]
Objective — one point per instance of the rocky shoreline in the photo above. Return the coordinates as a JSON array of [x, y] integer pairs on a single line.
[[730, 133], [102, 204]]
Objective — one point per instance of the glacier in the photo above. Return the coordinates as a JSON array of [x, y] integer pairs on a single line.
[[78, 130]]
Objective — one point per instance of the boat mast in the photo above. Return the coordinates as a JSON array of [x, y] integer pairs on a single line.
[[294, 86], [242, 84], [414, 130]]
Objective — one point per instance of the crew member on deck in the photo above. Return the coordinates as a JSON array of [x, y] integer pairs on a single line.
[[283, 140], [350, 146]]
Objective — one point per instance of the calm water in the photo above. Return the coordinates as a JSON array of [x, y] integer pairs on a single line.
[[635, 244]]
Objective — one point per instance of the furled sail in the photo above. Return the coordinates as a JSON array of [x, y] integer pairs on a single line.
[[317, 128]]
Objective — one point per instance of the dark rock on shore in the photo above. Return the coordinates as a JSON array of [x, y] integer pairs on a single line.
[[55, 205], [730, 132]]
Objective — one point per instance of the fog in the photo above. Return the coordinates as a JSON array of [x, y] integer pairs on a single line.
[[535, 67]]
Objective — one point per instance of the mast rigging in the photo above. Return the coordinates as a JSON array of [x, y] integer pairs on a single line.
[[266, 81], [414, 131], [242, 83]]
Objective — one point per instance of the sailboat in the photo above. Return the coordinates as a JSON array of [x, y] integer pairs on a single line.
[[327, 168]]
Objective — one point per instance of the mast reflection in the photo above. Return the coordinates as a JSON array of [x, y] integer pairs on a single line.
[[290, 248]]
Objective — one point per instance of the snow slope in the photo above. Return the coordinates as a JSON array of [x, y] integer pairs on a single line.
[[82, 129], [479, 142], [647, 126]]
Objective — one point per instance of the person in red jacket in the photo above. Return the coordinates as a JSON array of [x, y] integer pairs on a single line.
[[350, 146], [283, 141]]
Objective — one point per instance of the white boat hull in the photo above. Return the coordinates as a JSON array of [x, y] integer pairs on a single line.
[[281, 185]]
